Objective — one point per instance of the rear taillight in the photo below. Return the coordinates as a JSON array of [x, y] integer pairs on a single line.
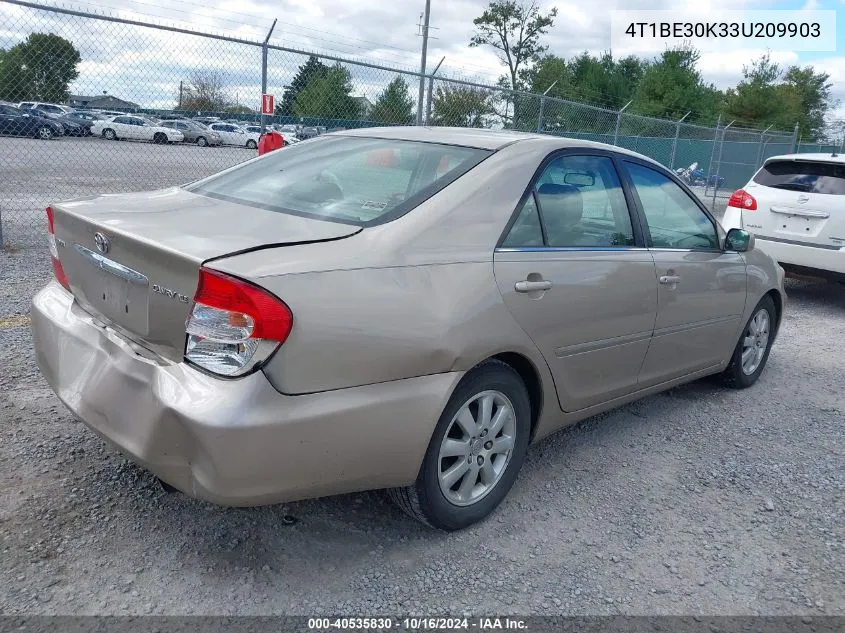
[[58, 271], [234, 325], [741, 199]]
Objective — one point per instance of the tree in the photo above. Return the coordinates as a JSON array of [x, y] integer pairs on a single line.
[[328, 95], [810, 92], [461, 106], [205, 92], [672, 86], [514, 30], [394, 106], [40, 68], [312, 68]]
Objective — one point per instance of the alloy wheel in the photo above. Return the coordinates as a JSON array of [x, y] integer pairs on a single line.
[[476, 448], [755, 342]]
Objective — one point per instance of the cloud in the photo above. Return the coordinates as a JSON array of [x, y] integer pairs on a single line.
[[146, 65]]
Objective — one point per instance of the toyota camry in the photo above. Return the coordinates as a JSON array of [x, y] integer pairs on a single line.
[[400, 308]]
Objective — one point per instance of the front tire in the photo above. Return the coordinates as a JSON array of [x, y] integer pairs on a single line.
[[159, 138], [109, 134], [45, 132], [752, 349], [201, 141], [475, 453], [250, 144]]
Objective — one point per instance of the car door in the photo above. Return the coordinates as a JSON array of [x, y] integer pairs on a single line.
[[701, 288], [121, 127], [7, 120], [222, 130], [574, 272]]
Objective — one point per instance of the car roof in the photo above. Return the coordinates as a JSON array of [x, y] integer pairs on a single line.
[[826, 157], [481, 138]]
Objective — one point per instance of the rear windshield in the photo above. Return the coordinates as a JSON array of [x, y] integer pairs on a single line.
[[352, 180], [803, 176]]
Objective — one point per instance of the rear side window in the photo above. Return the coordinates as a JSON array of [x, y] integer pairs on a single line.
[[353, 180], [806, 176]]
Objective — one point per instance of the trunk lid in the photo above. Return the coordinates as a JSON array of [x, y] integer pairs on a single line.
[[800, 200], [133, 260]]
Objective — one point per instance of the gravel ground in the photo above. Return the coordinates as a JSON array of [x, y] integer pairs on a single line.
[[701, 500]]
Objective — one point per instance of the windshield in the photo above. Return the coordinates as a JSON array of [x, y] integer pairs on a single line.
[[344, 179], [804, 176]]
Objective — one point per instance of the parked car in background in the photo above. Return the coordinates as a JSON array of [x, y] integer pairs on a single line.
[[135, 128], [308, 132], [105, 114], [795, 206], [193, 132], [289, 128], [17, 122], [288, 137], [206, 120], [50, 108], [234, 135], [402, 308], [71, 126]]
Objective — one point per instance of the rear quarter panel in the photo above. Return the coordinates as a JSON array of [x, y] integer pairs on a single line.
[[357, 327]]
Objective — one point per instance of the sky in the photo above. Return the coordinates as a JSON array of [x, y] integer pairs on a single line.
[[146, 66]]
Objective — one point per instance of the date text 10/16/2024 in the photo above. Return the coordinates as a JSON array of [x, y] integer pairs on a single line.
[[418, 624]]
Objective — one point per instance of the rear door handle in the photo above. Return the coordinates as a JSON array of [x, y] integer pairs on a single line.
[[668, 280], [532, 286]]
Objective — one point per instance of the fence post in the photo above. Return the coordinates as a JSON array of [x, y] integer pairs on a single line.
[[618, 122], [675, 141], [264, 74], [795, 139], [431, 92], [712, 155], [719, 165], [543, 103], [762, 145]]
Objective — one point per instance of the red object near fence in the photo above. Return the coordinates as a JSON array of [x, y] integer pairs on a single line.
[[269, 141]]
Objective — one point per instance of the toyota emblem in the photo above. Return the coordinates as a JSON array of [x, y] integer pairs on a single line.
[[102, 242]]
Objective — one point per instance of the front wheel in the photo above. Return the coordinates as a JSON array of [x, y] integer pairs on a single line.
[[159, 138], [45, 132], [109, 134], [250, 144], [201, 141], [475, 453], [752, 349]]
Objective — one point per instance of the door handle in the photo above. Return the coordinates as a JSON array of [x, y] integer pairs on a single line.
[[532, 286], [669, 280]]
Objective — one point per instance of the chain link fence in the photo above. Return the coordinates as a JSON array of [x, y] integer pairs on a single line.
[[194, 98]]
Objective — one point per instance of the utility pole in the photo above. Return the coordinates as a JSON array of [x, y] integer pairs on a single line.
[[426, 17], [180, 94]]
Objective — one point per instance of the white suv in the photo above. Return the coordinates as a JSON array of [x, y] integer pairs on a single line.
[[795, 206]]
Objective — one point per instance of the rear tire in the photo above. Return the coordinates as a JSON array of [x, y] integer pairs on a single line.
[[752, 349], [442, 497], [250, 144], [201, 141], [45, 132], [109, 134]]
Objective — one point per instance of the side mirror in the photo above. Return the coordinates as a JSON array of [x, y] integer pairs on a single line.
[[739, 240]]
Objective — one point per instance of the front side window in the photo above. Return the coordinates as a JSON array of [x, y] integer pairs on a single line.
[[345, 179], [579, 202], [674, 219], [804, 176], [123, 119]]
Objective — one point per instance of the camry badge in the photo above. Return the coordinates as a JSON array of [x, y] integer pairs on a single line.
[[102, 242]]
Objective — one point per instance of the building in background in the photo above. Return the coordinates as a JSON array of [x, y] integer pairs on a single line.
[[101, 102]]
